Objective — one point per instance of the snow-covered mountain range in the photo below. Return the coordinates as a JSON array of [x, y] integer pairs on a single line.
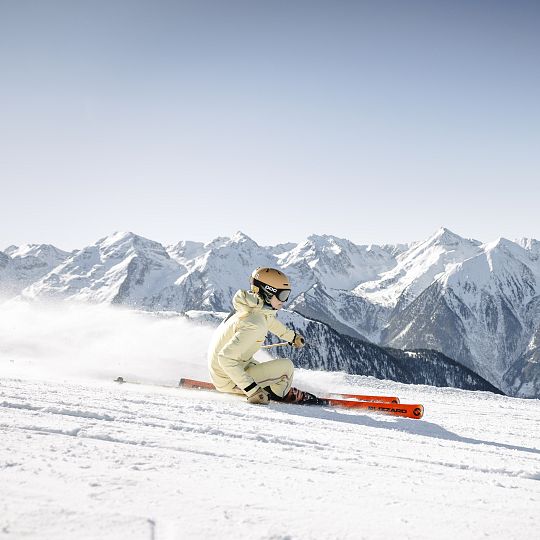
[[476, 303], [22, 266]]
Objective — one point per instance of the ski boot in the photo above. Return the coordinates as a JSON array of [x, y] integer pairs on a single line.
[[301, 397]]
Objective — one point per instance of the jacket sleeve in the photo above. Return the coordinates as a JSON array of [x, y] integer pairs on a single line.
[[231, 356], [280, 330]]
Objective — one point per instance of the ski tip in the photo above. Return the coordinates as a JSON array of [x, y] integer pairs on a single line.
[[418, 411]]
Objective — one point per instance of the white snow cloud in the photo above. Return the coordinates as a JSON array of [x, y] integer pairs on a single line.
[[75, 340]]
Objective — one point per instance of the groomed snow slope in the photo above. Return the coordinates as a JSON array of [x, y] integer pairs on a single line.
[[82, 457], [98, 460]]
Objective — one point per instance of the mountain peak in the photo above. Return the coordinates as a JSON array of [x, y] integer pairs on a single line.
[[117, 237], [503, 242], [239, 238], [326, 239], [445, 236], [329, 243], [121, 243], [319, 237], [503, 245], [46, 253]]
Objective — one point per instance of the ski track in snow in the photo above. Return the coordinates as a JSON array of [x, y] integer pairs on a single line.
[[99, 460]]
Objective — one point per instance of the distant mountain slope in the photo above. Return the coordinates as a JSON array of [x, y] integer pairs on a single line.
[[343, 310], [417, 268], [20, 266], [483, 311], [121, 269], [334, 262], [332, 351]]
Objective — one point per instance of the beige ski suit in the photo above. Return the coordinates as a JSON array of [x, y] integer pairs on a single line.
[[230, 354]]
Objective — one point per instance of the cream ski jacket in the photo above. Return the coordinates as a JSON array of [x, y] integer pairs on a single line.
[[238, 338]]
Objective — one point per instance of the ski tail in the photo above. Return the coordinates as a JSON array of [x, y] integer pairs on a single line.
[[199, 385]]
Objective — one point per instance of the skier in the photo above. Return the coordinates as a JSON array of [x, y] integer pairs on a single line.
[[230, 355]]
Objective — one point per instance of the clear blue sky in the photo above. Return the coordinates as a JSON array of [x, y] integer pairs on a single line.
[[378, 121]]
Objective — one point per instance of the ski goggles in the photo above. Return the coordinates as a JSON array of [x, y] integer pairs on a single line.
[[281, 294]]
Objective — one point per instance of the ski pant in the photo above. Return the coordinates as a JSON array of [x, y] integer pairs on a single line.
[[277, 374]]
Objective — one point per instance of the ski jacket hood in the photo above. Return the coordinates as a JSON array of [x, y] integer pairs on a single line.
[[247, 301]]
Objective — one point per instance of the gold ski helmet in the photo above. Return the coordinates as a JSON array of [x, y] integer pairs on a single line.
[[267, 282]]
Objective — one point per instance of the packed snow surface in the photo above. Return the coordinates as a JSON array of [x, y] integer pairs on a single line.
[[84, 457]]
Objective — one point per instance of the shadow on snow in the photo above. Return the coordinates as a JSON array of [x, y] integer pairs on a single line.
[[406, 425]]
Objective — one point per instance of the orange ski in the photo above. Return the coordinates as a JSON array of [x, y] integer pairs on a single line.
[[383, 404], [202, 385], [192, 383], [415, 411]]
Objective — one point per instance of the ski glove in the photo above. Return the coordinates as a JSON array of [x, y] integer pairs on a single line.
[[298, 341], [260, 397]]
